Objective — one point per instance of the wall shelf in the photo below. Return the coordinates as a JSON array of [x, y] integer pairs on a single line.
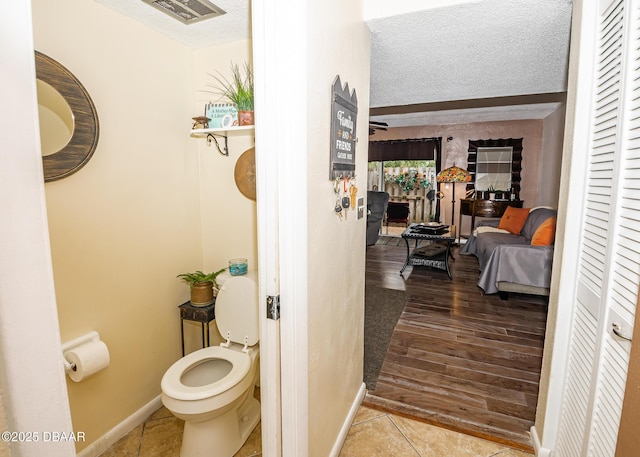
[[223, 132]]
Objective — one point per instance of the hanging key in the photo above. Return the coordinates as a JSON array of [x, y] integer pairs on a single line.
[[354, 193], [346, 201], [338, 208]]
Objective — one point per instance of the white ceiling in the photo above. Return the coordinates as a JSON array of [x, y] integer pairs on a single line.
[[423, 59], [230, 27]]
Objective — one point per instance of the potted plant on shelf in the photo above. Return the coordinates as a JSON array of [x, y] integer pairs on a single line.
[[201, 285], [238, 90], [492, 193]]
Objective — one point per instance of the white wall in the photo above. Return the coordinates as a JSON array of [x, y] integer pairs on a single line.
[[551, 158], [321, 258], [338, 45], [229, 227], [128, 222]]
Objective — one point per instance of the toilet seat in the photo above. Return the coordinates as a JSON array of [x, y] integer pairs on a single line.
[[172, 380]]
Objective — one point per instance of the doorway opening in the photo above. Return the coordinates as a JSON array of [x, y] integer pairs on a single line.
[[410, 185]]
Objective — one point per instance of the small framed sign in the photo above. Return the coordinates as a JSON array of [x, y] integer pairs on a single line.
[[344, 111]]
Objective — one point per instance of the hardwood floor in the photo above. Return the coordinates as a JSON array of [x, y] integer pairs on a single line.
[[459, 358]]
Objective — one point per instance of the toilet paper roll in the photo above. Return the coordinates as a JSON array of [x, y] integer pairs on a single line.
[[88, 359]]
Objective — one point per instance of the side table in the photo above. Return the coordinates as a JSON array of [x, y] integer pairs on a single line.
[[436, 256], [484, 208], [202, 314]]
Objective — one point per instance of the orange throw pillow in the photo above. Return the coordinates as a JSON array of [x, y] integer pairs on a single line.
[[513, 219], [545, 235]]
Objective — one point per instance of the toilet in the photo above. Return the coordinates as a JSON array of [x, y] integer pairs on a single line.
[[212, 389]]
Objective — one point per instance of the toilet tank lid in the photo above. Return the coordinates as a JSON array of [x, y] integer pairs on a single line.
[[236, 309]]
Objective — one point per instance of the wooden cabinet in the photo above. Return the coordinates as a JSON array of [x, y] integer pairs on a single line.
[[485, 208]]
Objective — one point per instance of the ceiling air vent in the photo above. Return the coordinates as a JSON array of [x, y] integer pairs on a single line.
[[187, 11]]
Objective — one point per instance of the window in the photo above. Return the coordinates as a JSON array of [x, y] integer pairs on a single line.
[[493, 168]]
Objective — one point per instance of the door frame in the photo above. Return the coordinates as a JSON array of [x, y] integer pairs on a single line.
[[267, 230], [570, 219], [628, 437], [564, 293], [30, 347], [282, 222]]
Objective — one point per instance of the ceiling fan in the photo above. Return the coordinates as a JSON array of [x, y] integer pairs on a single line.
[[373, 126]]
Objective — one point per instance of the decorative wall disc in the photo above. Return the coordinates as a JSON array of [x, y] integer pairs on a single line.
[[245, 173]]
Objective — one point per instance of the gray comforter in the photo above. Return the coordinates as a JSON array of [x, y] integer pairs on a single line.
[[504, 257]]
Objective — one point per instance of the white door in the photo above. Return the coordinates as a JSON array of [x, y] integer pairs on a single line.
[[609, 259]]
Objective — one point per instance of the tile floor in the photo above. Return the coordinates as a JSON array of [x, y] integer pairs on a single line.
[[378, 434], [373, 434]]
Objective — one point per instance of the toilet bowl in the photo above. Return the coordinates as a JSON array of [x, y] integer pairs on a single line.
[[212, 389]]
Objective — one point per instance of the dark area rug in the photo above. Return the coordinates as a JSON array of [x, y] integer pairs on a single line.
[[382, 309]]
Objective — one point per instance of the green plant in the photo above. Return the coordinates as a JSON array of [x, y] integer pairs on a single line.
[[408, 181], [238, 89], [409, 163], [200, 277]]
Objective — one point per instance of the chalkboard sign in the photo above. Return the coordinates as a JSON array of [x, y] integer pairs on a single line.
[[344, 111]]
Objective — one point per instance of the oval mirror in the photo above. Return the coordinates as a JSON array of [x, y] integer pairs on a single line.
[[56, 119], [69, 121]]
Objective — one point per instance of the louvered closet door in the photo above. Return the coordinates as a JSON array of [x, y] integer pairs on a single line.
[[610, 254]]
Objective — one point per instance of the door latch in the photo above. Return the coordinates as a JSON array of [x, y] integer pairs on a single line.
[[273, 307]]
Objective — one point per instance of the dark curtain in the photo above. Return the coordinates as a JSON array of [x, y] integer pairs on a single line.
[[409, 149]]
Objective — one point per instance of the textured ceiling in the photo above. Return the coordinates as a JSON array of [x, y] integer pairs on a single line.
[[460, 50], [494, 48], [232, 26], [475, 51]]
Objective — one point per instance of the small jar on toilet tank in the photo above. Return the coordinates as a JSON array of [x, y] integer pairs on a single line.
[[237, 267]]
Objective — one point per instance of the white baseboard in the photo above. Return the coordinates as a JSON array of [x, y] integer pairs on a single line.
[[539, 451], [346, 426], [112, 436]]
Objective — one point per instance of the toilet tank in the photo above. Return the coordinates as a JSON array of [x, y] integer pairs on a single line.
[[236, 309]]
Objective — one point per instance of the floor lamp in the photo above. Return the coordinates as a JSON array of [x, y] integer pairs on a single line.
[[453, 175]]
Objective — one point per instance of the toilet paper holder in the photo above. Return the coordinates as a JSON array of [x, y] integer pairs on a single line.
[[72, 344]]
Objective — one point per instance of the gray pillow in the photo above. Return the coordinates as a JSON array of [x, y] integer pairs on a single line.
[[535, 218]]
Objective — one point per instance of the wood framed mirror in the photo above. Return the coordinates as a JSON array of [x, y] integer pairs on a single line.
[[83, 126]]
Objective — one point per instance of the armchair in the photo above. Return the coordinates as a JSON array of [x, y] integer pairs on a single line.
[[376, 208]]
